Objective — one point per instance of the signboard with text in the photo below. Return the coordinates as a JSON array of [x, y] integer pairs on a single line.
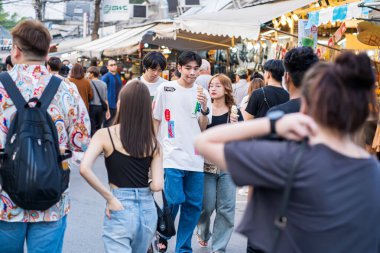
[[115, 10], [307, 37]]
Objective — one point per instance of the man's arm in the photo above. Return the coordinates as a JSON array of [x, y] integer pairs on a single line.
[[203, 122]]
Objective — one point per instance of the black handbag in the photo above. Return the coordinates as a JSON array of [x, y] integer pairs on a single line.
[[104, 104], [165, 222]]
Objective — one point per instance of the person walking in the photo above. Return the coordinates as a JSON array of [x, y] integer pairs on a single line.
[[334, 199], [114, 84], [130, 148], [254, 84], [240, 88], [99, 89], [272, 94], [83, 84], [296, 62], [204, 74], [181, 111], [219, 193], [153, 63], [40, 230]]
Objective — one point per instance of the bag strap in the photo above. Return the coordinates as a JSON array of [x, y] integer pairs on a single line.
[[97, 92], [281, 220], [265, 98], [12, 90], [49, 92]]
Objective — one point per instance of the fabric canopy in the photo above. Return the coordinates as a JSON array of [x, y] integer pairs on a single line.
[[113, 40], [244, 23]]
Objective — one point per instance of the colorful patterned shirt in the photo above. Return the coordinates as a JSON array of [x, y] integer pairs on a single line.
[[73, 126]]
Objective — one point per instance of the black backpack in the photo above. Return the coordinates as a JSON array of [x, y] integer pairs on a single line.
[[31, 164]]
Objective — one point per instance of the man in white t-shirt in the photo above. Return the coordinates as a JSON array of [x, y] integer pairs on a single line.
[[153, 63], [181, 110], [204, 74]]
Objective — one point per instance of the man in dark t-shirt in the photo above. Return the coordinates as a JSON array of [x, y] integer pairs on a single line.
[[271, 95], [297, 61]]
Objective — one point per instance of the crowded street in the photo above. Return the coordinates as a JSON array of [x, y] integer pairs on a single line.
[[87, 205]]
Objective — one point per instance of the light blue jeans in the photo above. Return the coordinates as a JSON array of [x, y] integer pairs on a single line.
[[40, 237], [184, 189], [219, 195], [132, 229]]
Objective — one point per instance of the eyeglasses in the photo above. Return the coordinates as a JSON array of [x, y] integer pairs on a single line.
[[111, 65]]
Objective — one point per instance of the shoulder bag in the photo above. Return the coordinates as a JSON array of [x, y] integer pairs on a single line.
[[104, 104], [281, 220]]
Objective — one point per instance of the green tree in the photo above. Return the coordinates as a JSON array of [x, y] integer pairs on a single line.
[[6, 20]]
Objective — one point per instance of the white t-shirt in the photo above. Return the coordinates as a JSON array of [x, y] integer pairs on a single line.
[[152, 86], [240, 90], [175, 107]]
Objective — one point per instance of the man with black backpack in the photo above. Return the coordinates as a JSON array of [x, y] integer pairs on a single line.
[[41, 121]]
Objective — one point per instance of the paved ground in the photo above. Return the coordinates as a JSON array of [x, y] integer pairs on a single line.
[[85, 220]]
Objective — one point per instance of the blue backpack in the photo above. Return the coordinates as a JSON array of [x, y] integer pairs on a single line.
[[31, 163]]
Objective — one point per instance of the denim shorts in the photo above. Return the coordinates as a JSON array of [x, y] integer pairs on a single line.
[[131, 229]]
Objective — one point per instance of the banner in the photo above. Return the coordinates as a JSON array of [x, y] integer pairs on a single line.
[[115, 10], [307, 37]]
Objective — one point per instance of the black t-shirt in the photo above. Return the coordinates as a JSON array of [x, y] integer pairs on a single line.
[[222, 119], [292, 106], [274, 95], [334, 205]]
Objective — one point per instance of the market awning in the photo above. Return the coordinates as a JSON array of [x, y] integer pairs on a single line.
[[113, 40], [244, 23], [131, 44]]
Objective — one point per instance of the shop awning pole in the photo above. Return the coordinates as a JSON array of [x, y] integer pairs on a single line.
[[203, 41], [296, 36]]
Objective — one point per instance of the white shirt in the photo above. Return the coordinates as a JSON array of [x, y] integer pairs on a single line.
[[240, 90], [152, 86], [175, 106], [203, 80]]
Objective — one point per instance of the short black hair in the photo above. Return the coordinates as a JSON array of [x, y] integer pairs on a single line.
[[154, 59], [8, 61], [276, 68], [103, 70], [54, 63], [188, 56], [245, 76], [297, 61], [256, 75], [64, 71]]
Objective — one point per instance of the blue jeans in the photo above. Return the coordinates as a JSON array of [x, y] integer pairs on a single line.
[[131, 229], [41, 237], [219, 195], [184, 188]]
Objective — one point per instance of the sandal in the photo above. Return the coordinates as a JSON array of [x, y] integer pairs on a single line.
[[202, 243], [163, 242]]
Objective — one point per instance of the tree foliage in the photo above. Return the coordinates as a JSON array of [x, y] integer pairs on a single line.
[[6, 20]]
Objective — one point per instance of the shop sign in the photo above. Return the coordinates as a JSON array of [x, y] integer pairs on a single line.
[[115, 10], [307, 36], [339, 33]]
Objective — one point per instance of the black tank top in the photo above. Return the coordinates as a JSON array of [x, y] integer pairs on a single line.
[[125, 171]]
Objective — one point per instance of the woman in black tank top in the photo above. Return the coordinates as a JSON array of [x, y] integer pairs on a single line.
[[130, 149]]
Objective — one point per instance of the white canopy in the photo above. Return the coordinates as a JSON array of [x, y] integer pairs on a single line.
[[244, 23], [113, 40]]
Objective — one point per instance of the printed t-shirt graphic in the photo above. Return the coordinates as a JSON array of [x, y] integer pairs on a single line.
[[174, 107]]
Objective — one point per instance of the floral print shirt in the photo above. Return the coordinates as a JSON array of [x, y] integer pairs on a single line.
[[73, 125]]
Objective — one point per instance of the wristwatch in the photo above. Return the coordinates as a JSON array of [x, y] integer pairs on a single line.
[[206, 112], [273, 118]]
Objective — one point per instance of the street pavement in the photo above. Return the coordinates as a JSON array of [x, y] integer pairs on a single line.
[[84, 227]]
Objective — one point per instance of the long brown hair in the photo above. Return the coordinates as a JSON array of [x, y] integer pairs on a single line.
[[77, 71], [135, 118], [227, 84], [255, 84]]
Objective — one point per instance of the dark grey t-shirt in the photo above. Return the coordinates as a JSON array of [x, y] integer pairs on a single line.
[[334, 205]]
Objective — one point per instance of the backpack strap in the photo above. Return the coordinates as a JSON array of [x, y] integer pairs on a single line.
[[49, 92], [13, 91]]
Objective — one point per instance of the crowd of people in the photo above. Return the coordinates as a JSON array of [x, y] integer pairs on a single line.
[[290, 134]]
